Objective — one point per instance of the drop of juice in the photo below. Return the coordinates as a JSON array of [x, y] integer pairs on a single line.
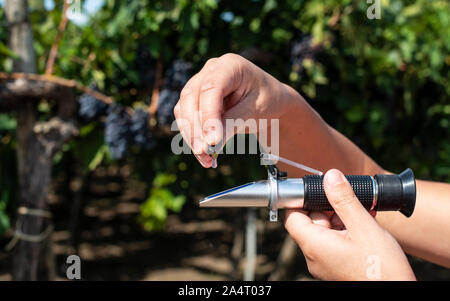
[[214, 162], [212, 152]]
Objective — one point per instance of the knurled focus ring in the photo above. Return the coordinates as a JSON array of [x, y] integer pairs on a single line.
[[316, 200]]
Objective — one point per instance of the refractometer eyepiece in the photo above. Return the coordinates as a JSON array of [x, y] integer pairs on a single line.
[[397, 192], [380, 193]]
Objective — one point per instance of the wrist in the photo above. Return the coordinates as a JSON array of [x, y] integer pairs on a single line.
[[299, 120]]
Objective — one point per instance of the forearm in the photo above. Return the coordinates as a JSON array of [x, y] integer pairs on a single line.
[[306, 138], [426, 233]]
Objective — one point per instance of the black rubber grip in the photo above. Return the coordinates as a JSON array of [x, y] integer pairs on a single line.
[[316, 200], [392, 192]]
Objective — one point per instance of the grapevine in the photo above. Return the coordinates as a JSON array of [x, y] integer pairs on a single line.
[[123, 128]]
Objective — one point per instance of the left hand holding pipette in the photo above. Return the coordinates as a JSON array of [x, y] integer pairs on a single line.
[[363, 250], [227, 87]]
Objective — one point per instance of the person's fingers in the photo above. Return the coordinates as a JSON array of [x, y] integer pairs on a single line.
[[313, 236], [189, 111], [320, 219], [188, 120], [301, 228], [336, 223], [346, 205], [220, 77]]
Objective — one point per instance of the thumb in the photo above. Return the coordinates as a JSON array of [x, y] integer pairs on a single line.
[[345, 203]]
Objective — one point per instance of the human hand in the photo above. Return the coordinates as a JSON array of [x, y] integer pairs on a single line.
[[228, 87], [361, 251]]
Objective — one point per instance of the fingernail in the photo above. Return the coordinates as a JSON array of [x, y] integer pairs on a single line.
[[334, 178], [205, 161]]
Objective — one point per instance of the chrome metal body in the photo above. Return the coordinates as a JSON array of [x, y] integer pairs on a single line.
[[273, 193], [255, 194]]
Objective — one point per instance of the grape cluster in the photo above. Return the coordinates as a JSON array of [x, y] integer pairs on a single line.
[[146, 66], [121, 129], [167, 101], [175, 79], [301, 49], [140, 129], [177, 75], [117, 130], [90, 107]]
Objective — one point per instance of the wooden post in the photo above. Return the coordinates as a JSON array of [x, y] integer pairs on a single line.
[[250, 245], [36, 144]]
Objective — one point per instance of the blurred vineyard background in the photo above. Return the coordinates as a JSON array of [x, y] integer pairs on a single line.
[[130, 213]]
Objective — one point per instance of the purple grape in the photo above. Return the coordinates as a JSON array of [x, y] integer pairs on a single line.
[[90, 107], [117, 130], [141, 131], [175, 79], [177, 75], [167, 101]]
